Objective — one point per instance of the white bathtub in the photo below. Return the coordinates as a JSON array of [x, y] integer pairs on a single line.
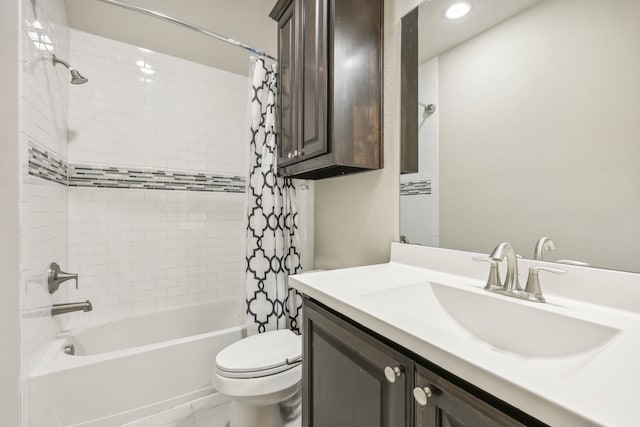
[[129, 368]]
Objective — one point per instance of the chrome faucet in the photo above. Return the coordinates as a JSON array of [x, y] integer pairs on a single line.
[[511, 282], [70, 307], [543, 244], [511, 285]]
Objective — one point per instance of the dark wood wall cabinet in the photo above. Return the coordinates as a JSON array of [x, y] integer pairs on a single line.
[[329, 108], [352, 378]]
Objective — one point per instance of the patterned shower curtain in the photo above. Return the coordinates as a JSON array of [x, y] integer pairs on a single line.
[[272, 242]]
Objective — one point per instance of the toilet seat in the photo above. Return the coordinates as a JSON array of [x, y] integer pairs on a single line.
[[261, 355]]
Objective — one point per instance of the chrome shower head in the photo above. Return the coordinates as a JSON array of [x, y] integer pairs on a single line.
[[76, 77], [428, 109]]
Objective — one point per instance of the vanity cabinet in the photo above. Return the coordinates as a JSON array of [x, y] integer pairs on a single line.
[[446, 405], [329, 109], [352, 378], [344, 382]]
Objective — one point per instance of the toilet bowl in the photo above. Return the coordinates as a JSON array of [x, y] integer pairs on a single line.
[[258, 374]]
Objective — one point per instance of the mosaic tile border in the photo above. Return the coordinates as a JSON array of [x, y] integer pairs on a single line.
[[418, 187], [152, 179], [46, 165]]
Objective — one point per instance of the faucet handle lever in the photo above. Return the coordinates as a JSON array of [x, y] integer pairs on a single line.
[[493, 280], [486, 259], [573, 262], [533, 282], [55, 276], [553, 270]]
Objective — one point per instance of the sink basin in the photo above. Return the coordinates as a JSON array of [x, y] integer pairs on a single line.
[[522, 328]]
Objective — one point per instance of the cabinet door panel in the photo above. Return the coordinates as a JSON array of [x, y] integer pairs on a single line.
[[356, 87], [313, 77], [286, 96], [349, 388], [450, 406], [344, 383]]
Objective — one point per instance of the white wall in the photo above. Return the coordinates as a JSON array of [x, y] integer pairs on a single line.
[[357, 216], [139, 249], [9, 215], [548, 124], [145, 109], [43, 203]]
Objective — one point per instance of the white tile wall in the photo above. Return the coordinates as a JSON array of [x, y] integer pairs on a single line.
[[137, 250], [142, 108], [419, 214], [143, 249], [43, 207]]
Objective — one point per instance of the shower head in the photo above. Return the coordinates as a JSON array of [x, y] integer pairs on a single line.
[[429, 109], [76, 77]]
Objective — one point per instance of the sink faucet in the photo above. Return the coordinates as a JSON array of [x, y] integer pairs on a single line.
[[70, 307], [511, 286], [511, 282], [543, 244]]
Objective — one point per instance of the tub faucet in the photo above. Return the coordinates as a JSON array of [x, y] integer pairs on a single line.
[[543, 244], [511, 282], [70, 307]]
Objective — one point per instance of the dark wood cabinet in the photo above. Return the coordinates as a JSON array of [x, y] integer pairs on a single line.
[[286, 60], [330, 101], [345, 383], [447, 405]]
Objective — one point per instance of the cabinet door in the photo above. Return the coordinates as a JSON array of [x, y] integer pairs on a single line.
[[287, 92], [344, 383], [313, 89], [450, 406]]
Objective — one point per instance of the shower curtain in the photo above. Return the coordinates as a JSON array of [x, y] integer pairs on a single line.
[[272, 242]]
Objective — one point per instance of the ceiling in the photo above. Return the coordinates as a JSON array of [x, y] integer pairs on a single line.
[[438, 34], [244, 20]]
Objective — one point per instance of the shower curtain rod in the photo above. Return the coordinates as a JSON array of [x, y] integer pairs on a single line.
[[183, 24]]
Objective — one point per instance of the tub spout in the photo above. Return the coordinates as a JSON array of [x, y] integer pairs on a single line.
[[71, 306]]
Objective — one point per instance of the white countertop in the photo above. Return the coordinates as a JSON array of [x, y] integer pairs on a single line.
[[596, 387]]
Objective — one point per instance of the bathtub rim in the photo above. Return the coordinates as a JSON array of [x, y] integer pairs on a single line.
[[83, 325], [55, 360]]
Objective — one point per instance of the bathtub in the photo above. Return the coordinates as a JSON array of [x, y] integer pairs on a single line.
[[132, 367]]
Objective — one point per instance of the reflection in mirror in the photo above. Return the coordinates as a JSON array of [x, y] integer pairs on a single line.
[[528, 124]]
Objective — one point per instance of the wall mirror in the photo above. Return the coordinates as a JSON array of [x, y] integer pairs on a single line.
[[521, 119]]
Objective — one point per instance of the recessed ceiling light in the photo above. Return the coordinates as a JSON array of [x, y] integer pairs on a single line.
[[458, 10]]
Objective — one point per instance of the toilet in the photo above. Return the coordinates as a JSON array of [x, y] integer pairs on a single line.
[[262, 376]]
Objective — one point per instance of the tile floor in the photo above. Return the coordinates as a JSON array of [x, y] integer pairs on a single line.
[[209, 411]]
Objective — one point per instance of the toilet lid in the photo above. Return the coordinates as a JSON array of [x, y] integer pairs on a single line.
[[260, 355]]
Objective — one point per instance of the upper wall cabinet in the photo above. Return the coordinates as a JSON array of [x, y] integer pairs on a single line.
[[330, 87]]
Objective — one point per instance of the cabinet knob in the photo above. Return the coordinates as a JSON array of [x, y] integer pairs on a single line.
[[295, 153], [290, 155], [422, 395], [392, 373]]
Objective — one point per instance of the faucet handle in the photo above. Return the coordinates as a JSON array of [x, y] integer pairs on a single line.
[[573, 262], [533, 282], [55, 276], [493, 280]]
